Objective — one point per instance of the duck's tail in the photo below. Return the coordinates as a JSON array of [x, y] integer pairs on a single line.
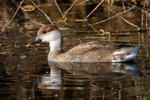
[[125, 54]]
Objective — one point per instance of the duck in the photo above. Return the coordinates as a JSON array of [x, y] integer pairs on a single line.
[[84, 52]]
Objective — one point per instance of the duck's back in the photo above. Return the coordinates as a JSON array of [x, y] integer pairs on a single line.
[[96, 52]]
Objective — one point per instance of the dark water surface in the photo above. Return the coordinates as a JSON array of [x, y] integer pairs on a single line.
[[25, 73]]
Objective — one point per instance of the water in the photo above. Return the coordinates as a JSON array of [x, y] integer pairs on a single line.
[[25, 73]]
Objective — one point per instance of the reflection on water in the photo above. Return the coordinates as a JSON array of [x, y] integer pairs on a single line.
[[90, 80], [53, 80], [98, 69]]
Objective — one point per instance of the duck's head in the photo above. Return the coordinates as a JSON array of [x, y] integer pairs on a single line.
[[47, 33]]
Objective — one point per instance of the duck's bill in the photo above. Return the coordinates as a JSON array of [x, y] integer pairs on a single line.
[[35, 41]]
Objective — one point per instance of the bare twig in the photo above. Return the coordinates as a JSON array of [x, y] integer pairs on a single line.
[[113, 16], [146, 19], [59, 8], [130, 23], [48, 18], [37, 23], [95, 30], [138, 7], [118, 31], [142, 18], [3, 28], [123, 6], [66, 12], [82, 2], [94, 9], [38, 2]]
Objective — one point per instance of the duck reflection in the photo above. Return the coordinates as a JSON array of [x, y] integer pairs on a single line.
[[52, 80], [96, 79], [87, 70]]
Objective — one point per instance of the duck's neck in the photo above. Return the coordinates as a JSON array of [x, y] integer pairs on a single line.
[[55, 48]]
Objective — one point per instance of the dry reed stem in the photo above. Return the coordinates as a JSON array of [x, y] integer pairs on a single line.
[[129, 23], [138, 7], [38, 2], [94, 29], [4, 27], [60, 11], [66, 12], [94, 9], [48, 18], [37, 23], [82, 2], [123, 6], [142, 18], [146, 19], [118, 14]]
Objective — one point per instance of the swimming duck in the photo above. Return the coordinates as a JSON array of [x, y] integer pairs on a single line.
[[84, 52]]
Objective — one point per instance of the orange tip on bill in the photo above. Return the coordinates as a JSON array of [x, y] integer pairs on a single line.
[[28, 45]]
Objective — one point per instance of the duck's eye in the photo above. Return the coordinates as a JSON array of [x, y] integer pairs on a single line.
[[44, 32]]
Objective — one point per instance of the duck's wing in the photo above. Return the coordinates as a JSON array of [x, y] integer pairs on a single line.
[[97, 52], [85, 47], [93, 46]]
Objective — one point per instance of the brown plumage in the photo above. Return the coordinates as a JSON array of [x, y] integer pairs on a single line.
[[84, 52]]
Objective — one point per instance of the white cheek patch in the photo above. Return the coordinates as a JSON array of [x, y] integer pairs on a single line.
[[46, 37], [50, 36]]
